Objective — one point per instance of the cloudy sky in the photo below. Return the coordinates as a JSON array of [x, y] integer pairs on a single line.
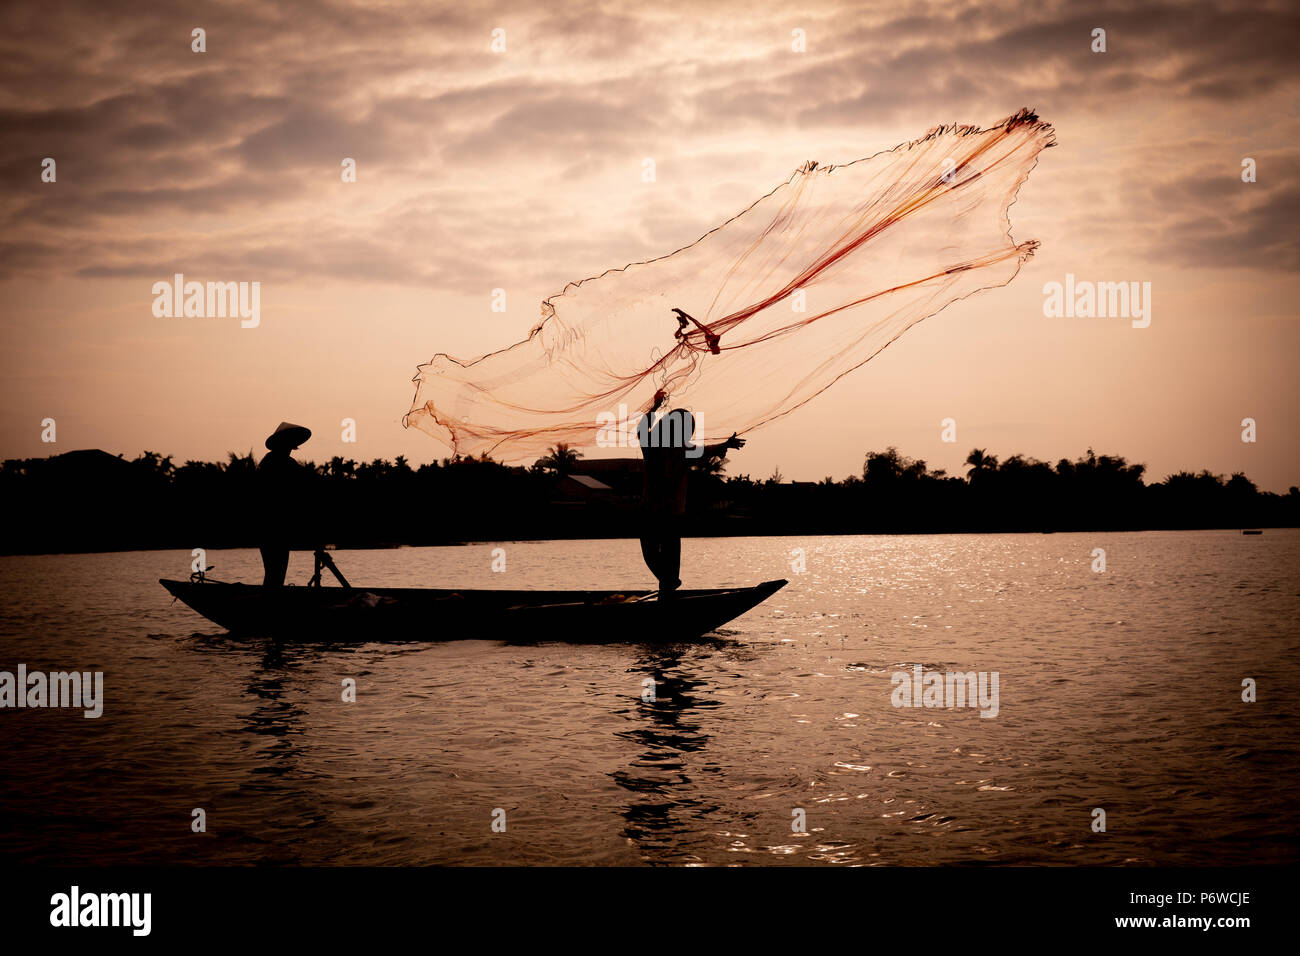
[[521, 170]]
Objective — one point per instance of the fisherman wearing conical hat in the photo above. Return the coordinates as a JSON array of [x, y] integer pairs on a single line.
[[279, 480]]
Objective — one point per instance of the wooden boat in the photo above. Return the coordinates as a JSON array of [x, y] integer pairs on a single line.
[[314, 613]]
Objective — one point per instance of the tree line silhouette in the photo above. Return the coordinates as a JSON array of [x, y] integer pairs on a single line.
[[93, 501]]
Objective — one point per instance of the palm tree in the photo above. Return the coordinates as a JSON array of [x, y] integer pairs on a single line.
[[338, 467], [561, 459], [241, 464], [151, 461], [979, 461]]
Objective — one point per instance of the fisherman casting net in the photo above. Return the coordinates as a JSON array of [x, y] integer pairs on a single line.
[[775, 305]]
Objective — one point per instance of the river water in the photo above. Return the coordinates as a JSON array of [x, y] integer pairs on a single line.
[[776, 742]]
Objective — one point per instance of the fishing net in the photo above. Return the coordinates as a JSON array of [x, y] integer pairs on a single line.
[[776, 304]]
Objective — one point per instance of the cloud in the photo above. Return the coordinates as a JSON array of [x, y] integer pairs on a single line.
[[246, 139]]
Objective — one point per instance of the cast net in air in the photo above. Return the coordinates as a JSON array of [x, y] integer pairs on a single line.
[[776, 304]]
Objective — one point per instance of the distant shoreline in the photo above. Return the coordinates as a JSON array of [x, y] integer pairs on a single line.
[[88, 501]]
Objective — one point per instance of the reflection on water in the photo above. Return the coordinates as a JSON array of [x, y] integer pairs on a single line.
[[665, 809], [1120, 691], [276, 718]]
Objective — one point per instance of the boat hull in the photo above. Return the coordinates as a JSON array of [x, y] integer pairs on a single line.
[[419, 614]]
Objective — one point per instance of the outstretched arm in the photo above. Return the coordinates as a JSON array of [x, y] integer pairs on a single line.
[[720, 450]]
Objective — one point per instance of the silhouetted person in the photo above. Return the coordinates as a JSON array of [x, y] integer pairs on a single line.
[[280, 486], [667, 447]]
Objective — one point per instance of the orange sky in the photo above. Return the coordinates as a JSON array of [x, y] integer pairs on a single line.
[[522, 170]]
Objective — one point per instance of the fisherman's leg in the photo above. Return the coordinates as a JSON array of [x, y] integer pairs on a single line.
[[650, 551], [652, 543], [275, 564], [670, 557]]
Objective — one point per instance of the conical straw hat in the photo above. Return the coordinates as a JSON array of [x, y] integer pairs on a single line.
[[288, 435]]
